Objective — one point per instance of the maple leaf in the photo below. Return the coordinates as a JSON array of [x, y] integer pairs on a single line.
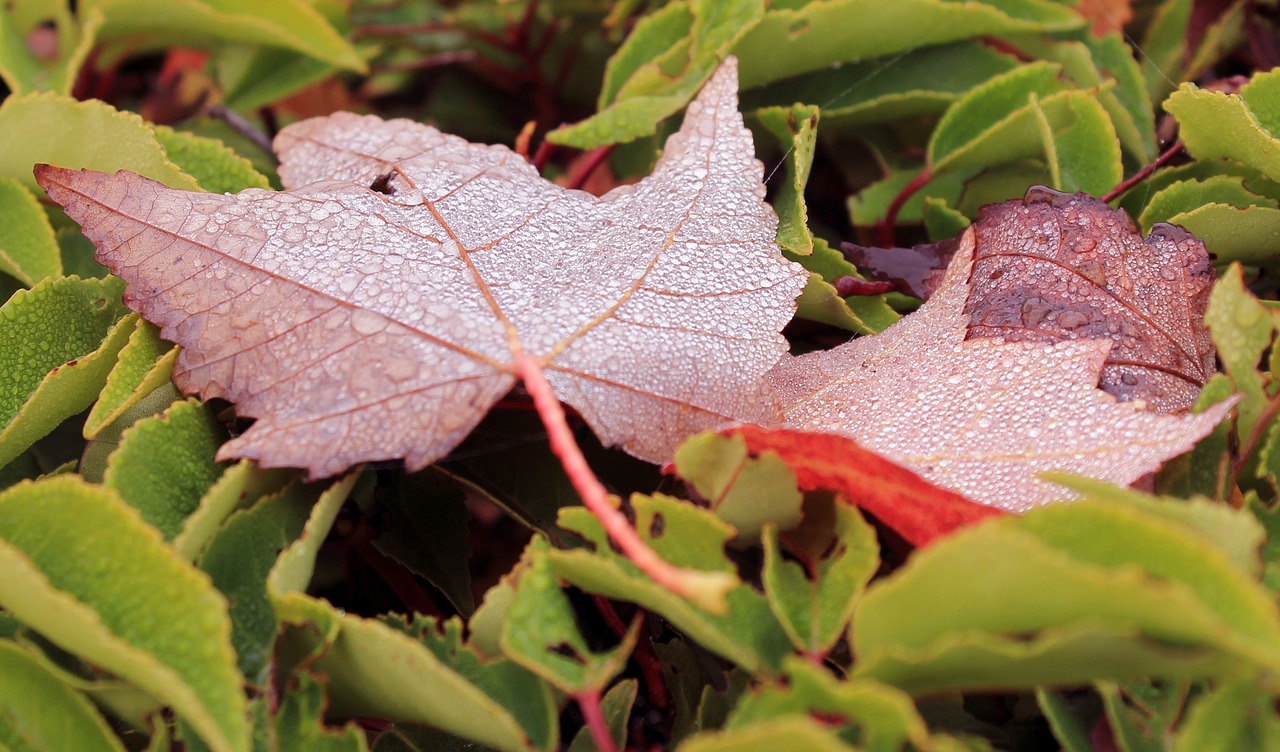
[[984, 416], [378, 308]]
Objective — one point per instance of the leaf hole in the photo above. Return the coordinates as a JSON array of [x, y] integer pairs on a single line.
[[565, 650], [657, 527], [382, 184]]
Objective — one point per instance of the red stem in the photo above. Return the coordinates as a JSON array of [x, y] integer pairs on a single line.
[[643, 654], [1144, 173], [397, 578], [593, 714], [885, 228], [590, 162], [707, 588]]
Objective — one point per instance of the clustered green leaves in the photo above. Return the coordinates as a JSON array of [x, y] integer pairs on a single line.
[[138, 574]]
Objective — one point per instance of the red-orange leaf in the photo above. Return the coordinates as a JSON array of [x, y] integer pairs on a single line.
[[918, 510]]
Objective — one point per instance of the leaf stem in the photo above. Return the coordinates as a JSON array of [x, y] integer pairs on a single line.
[[593, 714], [1144, 173], [705, 588], [885, 227], [643, 654], [242, 126], [590, 162]]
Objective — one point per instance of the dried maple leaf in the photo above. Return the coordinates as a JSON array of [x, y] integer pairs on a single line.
[[984, 416], [379, 308]]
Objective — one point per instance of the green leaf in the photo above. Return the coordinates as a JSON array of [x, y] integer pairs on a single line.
[[792, 732], [996, 122], [1234, 234], [124, 602], [299, 723], [423, 526], [57, 342], [39, 712], [616, 708], [746, 492], [796, 128], [28, 248], [165, 464], [97, 453], [885, 717], [1236, 715], [542, 635], [144, 364], [941, 220], [820, 301], [1082, 149], [290, 24], [1189, 195], [1216, 125], [22, 68], [918, 82], [217, 168], [814, 600], [1241, 329], [1066, 594], [238, 560], [254, 77], [663, 63], [797, 38], [686, 536], [1164, 47], [1068, 730], [239, 487], [51, 128]]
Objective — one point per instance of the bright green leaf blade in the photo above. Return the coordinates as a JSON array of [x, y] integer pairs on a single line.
[[792, 732], [254, 77], [1241, 329], [39, 712], [541, 633], [217, 168], [796, 128], [1067, 728], [238, 560], [299, 723], [93, 461], [58, 340], [28, 248], [919, 82], [665, 62], [746, 492], [1164, 48], [1189, 195], [143, 365], [616, 707], [816, 608], [811, 36], [885, 717], [292, 24], [25, 70], [1082, 149], [686, 536], [165, 464], [293, 568], [942, 221], [50, 128], [1216, 125], [1233, 234], [124, 602], [238, 488], [998, 122], [820, 301], [1234, 716]]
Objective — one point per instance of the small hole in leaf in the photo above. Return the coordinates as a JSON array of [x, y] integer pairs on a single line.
[[565, 650], [657, 527], [382, 184]]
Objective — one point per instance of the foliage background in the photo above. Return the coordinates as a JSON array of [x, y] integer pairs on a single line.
[[155, 599]]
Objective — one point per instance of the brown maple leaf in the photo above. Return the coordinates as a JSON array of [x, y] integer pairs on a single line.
[[984, 416], [378, 308]]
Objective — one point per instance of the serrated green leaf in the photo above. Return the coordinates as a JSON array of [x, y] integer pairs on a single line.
[[686, 536], [238, 560], [299, 723], [217, 168], [885, 718], [25, 70], [1217, 125], [124, 602], [1189, 195], [796, 128], [797, 38], [746, 492], [819, 301], [93, 461], [1235, 716], [144, 364], [974, 132], [541, 634], [50, 128], [792, 732], [58, 340], [291, 24], [615, 706], [165, 464], [28, 248], [1082, 149], [660, 67], [918, 82], [39, 712], [1065, 594], [869, 206], [1241, 329], [941, 221], [1246, 235], [239, 487], [423, 525], [815, 606]]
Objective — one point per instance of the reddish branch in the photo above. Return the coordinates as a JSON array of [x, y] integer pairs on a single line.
[[593, 714], [1144, 173], [884, 229], [589, 163], [643, 654]]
